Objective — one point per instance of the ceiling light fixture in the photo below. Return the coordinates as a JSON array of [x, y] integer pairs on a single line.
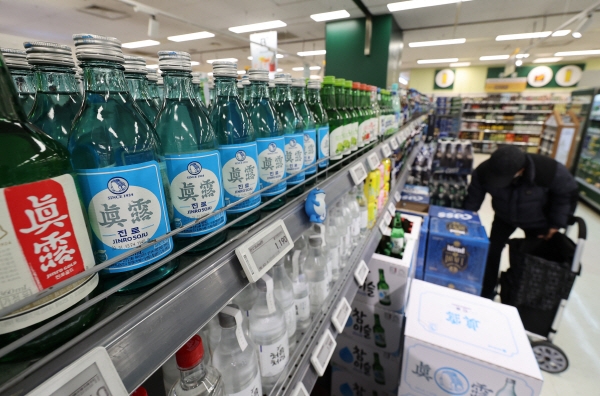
[[411, 5], [402, 80], [582, 26], [315, 77], [254, 27], [297, 68], [222, 60], [436, 42], [194, 63], [152, 66], [279, 70], [140, 44], [494, 57], [519, 62], [522, 36], [426, 61], [312, 53], [577, 35], [560, 33], [328, 16], [522, 56], [460, 64], [210, 74], [314, 68], [578, 53], [548, 60], [191, 36], [241, 72], [279, 56]]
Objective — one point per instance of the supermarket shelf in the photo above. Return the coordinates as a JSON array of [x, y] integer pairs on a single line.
[[503, 121], [300, 368], [512, 143], [587, 185], [525, 102], [507, 111], [502, 131], [144, 333], [584, 197]]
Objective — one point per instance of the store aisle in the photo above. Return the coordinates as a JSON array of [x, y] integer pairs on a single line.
[[578, 332]]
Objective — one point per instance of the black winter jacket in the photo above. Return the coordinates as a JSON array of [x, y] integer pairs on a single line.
[[545, 195]]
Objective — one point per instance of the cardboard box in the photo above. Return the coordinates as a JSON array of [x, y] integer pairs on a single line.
[[419, 209], [456, 250], [345, 383], [422, 249], [390, 292], [460, 344], [355, 357], [416, 222], [454, 214], [471, 288], [362, 326], [414, 193]]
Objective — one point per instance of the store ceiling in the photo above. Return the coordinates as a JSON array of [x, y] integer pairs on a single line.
[[479, 21]]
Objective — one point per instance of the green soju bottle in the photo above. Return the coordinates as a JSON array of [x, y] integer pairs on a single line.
[[44, 237], [269, 138], [190, 152], [378, 371], [383, 289], [397, 236], [293, 127], [57, 100], [246, 89], [340, 100], [237, 145], [22, 75], [310, 130], [357, 103], [321, 121], [379, 333], [367, 127], [115, 153], [335, 120], [354, 116], [152, 78], [376, 111], [135, 75]]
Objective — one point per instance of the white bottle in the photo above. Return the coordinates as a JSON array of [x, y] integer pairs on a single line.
[[316, 274], [214, 335], [196, 378], [268, 331], [354, 208], [301, 245], [333, 241], [296, 259], [235, 359], [363, 209], [245, 300], [284, 295], [342, 221], [320, 230]]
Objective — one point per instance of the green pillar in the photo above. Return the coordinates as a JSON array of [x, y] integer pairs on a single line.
[[345, 45]]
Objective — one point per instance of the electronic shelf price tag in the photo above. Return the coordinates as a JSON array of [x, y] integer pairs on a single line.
[[397, 196], [394, 144], [341, 315], [358, 173], [392, 209], [361, 273], [300, 390], [258, 254], [384, 225], [92, 374], [373, 161], [385, 150], [322, 353]]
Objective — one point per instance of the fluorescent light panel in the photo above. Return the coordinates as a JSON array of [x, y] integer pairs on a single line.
[[279, 70], [426, 61], [241, 72], [494, 57], [328, 16], [152, 66], [222, 59], [191, 36], [297, 68], [560, 33], [194, 63], [436, 42], [577, 35], [314, 68], [548, 60], [522, 56], [460, 64], [522, 36], [140, 44], [402, 81], [312, 53], [314, 77], [578, 53], [254, 27], [411, 5], [279, 56]]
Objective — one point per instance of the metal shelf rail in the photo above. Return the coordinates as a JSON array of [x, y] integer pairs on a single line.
[[142, 335]]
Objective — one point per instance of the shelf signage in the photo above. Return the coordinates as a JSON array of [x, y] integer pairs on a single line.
[[341, 315], [385, 150], [323, 352], [358, 173], [361, 273], [392, 209], [373, 161], [397, 196], [394, 144]]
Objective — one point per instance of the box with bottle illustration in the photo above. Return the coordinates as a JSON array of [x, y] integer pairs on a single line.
[[375, 326], [456, 250], [346, 383], [363, 360], [459, 344]]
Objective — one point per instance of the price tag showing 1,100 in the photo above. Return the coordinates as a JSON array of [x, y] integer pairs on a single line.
[[340, 315], [394, 143], [385, 150], [91, 374], [373, 160], [358, 173], [258, 254], [322, 353], [361, 273]]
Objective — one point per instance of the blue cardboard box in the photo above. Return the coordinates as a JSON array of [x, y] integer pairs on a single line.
[[454, 214], [456, 250], [467, 287], [422, 251], [412, 193]]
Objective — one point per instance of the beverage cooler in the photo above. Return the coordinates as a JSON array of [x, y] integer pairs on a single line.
[[587, 168]]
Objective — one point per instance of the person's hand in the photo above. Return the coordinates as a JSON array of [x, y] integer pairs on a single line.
[[549, 235]]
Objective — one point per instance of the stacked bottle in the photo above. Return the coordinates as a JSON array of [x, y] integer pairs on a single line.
[[152, 78], [335, 119], [22, 75], [340, 100], [310, 131], [135, 75], [354, 115], [321, 121]]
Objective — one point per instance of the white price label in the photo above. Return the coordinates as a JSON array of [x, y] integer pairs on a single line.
[[258, 254], [392, 209], [322, 353], [300, 390], [270, 293], [385, 150], [397, 196], [385, 230], [373, 161], [340, 315], [91, 374], [239, 331], [358, 173], [361, 273], [394, 144]]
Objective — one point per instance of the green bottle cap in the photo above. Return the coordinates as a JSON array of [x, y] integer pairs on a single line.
[[339, 82], [348, 84], [328, 80]]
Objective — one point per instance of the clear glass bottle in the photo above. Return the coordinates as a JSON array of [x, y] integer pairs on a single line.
[[333, 245], [269, 138], [335, 120], [316, 274], [189, 147], [293, 128], [38, 184], [135, 75], [310, 131], [246, 300], [354, 209], [284, 294], [196, 378], [321, 121], [395, 104], [236, 359], [343, 221], [57, 100], [296, 259], [22, 75], [363, 209], [115, 153], [340, 100], [354, 115], [237, 145], [246, 88], [268, 331], [152, 79]]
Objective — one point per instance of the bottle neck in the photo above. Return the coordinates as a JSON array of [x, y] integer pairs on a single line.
[[178, 85], [340, 97], [193, 377], [55, 79], [10, 107], [229, 339], [283, 93], [225, 86], [315, 250], [103, 76], [23, 79], [381, 276], [377, 320], [259, 89], [349, 98], [313, 96], [299, 94], [137, 86], [328, 97]]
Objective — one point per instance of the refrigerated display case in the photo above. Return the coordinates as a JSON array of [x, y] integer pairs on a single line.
[[581, 103], [587, 172]]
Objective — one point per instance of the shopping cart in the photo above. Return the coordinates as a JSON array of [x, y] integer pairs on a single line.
[[538, 284]]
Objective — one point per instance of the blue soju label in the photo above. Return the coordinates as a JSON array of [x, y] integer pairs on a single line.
[[310, 151], [196, 191], [271, 164], [323, 144], [294, 157], [126, 206], [240, 175]]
